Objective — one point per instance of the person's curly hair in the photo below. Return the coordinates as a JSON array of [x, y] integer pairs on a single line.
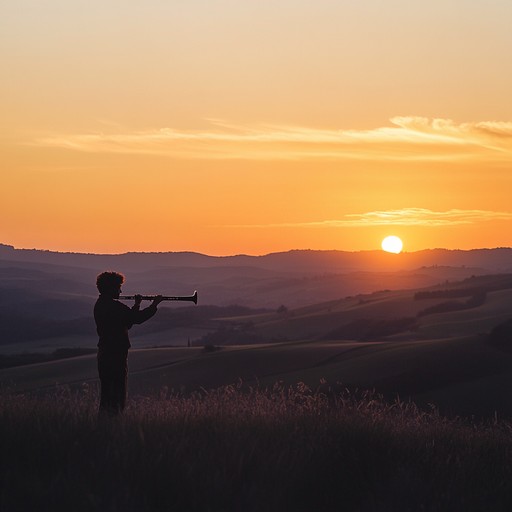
[[109, 281]]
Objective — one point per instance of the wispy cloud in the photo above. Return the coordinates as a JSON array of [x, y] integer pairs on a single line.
[[425, 217], [406, 138], [402, 217]]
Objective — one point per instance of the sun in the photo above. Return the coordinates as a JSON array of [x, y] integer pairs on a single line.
[[392, 244]]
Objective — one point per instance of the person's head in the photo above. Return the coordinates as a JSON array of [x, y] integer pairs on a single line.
[[109, 283]]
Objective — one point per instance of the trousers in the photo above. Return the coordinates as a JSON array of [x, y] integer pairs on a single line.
[[113, 373]]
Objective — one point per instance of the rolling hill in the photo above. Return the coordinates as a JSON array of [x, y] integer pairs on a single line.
[[445, 358], [462, 376], [420, 332], [46, 298]]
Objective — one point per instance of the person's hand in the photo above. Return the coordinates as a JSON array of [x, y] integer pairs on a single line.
[[138, 300], [157, 300]]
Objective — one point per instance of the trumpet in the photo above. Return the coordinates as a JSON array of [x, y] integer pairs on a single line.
[[190, 298]]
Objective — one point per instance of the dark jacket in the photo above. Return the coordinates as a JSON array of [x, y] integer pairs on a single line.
[[114, 319]]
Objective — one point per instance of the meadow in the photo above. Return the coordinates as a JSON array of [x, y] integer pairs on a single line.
[[239, 448]]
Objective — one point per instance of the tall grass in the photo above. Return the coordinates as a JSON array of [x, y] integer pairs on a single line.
[[231, 449]]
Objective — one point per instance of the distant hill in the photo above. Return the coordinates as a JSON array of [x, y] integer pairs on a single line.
[[291, 278], [303, 261], [49, 296]]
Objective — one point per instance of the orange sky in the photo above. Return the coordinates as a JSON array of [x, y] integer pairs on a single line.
[[251, 127]]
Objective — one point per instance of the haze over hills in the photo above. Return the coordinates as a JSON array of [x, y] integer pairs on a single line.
[[59, 285], [48, 295], [294, 278], [64, 283]]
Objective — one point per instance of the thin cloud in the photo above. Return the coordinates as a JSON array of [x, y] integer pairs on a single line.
[[402, 217], [425, 217], [407, 138]]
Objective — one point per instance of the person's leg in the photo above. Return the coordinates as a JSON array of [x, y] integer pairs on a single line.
[[112, 373], [120, 383]]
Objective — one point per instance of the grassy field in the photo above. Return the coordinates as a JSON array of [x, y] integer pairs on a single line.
[[463, 376], [275, 449]]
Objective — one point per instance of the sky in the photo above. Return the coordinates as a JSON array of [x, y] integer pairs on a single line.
[[255, 126]]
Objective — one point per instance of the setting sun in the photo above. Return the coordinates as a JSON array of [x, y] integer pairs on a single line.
[[392, 244]]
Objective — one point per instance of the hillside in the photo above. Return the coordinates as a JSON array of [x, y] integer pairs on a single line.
[[463, 376], [461, 308], [421, 333], [296, 279], [52, 307], [46, 298]]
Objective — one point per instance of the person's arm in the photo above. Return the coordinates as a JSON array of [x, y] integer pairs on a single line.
[[138, 316], [136, 305]]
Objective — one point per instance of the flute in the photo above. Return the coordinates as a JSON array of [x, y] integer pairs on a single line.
[[190, 298]]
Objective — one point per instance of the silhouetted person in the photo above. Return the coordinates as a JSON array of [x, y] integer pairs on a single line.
[[113, 320]]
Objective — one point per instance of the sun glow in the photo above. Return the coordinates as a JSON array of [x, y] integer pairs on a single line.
[[392, 244], [357, 128]]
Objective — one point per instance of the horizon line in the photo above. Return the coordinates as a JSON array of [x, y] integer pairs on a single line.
[[4, 246]]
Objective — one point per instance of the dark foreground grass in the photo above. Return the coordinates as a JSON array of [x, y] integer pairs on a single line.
[[284, 449]]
